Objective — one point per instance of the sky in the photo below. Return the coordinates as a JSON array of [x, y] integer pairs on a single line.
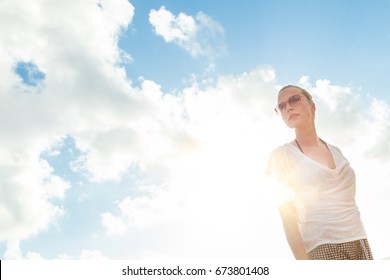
[[141, 129]]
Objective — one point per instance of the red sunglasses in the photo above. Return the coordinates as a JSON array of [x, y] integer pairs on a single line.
[[293, 101]]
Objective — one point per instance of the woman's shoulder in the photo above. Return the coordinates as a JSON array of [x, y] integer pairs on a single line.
[[334, 147], [282, 151], [336, 151], [283, 147], [279, 162]]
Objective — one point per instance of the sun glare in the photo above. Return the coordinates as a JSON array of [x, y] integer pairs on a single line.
[[222, 184]]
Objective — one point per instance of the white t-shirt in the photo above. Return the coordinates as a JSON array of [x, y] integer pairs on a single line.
[[324, 198]]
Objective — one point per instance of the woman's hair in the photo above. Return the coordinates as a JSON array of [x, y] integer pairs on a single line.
[[303, 91]]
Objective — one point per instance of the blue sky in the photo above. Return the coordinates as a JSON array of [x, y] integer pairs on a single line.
[[346, 42], [140, 129]]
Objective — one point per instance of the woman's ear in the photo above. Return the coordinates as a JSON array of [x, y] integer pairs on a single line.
[[313, 109]]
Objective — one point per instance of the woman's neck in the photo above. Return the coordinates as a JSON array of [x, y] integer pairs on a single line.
[[307, 137]]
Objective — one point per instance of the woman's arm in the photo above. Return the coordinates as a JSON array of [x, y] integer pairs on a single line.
[[290, 225]]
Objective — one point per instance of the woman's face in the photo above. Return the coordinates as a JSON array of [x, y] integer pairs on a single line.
[[294, 108]]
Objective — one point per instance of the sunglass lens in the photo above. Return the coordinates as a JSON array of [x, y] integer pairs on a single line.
[[294, 100]]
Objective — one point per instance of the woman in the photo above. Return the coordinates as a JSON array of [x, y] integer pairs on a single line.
[[320, 218]]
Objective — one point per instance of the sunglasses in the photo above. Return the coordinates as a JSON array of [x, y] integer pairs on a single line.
[[293, 101]]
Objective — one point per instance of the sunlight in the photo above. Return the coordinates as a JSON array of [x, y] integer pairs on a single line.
[[223, 187]]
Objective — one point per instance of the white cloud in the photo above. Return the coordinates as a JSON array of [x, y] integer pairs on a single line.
[[84, 255], [27, 190], [65, 41], [170, 27], [199, 35], [91, 255], [34, 256], [13, 251]]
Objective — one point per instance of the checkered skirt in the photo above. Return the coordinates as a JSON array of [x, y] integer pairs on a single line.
[[354, 250]]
